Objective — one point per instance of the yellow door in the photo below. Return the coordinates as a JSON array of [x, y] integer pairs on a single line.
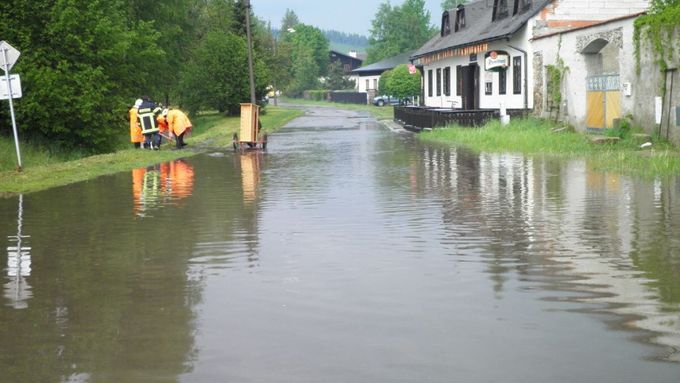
[[613, 107], [595, 117]]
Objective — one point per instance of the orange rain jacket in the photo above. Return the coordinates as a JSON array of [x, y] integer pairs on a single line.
[[178, 122], [162, 124], [135, 130]]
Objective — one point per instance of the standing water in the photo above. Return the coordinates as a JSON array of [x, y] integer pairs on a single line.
[[346, 253]]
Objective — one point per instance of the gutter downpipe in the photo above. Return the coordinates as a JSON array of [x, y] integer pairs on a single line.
[[526, 76]]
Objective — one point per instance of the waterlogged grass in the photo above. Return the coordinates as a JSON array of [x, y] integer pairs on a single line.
[[538, 137], [43, 170], [378, 112]]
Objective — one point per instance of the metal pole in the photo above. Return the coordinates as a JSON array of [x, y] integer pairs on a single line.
[[250, 54], [276, 103], [670, 102], [11, 107]]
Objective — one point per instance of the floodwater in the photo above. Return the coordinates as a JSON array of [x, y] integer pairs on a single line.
[[346, 253]]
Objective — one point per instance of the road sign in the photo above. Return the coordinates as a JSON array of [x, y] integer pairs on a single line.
[[9, 53], [15, 81]]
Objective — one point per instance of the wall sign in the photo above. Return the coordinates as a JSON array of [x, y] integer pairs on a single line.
[[496, 60]]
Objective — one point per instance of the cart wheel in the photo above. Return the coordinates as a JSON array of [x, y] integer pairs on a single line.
[[264, 142], [234, 140]]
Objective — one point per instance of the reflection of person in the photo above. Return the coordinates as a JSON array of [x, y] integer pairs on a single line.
[[182, 174], [147, 113], [178, 124], [137, 189], [136, 136]]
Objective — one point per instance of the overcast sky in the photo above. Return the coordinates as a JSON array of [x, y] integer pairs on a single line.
[[351, 16]]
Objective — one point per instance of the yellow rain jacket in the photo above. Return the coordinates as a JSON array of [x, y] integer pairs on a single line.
[[135, 130], [178, 122]]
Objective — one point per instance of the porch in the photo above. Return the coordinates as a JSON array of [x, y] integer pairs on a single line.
[[417, 118]]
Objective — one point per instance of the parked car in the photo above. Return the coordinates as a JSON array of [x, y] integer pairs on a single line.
[[389, 100]]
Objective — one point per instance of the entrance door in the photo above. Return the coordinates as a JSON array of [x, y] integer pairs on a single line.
[[470, 94], [603, 101]]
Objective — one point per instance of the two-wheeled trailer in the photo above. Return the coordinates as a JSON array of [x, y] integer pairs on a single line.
[[250, 134]]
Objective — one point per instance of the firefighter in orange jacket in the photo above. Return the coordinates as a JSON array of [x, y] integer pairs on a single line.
[[178, 124], [162, 127], [136, 136]]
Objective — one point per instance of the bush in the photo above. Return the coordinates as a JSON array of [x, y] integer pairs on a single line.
[[316, 95]]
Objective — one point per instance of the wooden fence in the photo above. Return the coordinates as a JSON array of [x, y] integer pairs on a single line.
[[349, 97], [417, 118]]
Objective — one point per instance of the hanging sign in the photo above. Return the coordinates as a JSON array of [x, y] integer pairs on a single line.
[[412, 69], [496, 60]]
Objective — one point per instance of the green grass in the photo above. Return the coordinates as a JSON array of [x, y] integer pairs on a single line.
[[536, 137], [379, 112], [42, 170]]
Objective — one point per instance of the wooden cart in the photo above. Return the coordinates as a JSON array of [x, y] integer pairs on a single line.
[[250, 133]]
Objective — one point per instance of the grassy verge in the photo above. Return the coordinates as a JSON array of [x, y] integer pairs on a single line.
[[536, 137], [43, 170], [379, 112]]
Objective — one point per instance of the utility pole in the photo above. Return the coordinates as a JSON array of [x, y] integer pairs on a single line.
[[250, 54]]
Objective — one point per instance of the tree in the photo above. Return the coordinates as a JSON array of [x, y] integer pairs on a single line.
[[383, 82], [337, 80], [401, 83], [84, 62], [309, 57], [451, 4], [398, 29], [290, 20], [174, 20], [82, 65], [217, 77]]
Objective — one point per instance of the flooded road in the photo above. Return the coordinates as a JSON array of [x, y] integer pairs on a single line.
[[346, 253]]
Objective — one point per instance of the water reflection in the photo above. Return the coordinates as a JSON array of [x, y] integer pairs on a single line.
[[233, 238], [17, 289], [250, 163], [160, 185], [111, 299], [607, 239]]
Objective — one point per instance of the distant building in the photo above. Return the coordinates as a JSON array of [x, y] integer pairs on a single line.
[[349, 61], [367, 77]]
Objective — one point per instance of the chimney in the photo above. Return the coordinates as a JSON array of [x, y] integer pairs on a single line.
[[353, 53]]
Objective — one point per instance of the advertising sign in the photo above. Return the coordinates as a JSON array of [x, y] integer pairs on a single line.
[[496, 60]]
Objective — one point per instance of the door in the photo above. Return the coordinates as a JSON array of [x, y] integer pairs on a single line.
[[470, 94], [603, 101]]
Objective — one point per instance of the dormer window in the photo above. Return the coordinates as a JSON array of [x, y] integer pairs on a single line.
[[521, 6], [500, 9], [446, 24], [460, 18]]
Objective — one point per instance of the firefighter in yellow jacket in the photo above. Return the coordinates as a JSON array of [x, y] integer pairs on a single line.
[[136, 136], [178, 124]]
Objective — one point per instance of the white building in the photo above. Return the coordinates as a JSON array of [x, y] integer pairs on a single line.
[[367, 77], [493, 52]]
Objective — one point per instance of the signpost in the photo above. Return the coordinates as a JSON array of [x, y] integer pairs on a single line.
[[9, 57], [15, 81]]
